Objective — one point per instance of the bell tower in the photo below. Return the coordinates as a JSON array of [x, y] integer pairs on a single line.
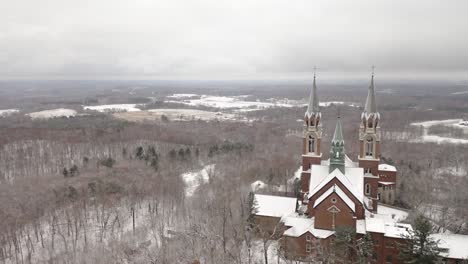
[[312, 138], [369, 146]]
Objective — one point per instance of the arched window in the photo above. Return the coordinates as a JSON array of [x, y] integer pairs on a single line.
[[369, 147], [311, 144], [368, 189]]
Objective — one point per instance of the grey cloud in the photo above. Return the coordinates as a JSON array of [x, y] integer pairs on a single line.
[[221, 38]]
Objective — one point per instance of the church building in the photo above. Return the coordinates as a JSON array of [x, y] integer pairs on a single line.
[[339, 192]]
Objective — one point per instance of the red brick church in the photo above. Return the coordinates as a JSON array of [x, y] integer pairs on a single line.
[[339, 192]]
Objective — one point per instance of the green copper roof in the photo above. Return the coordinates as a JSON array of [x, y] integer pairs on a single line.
[[337, 151], [338, 135]]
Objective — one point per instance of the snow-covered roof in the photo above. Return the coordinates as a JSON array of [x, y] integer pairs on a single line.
[[390, 214], [386, 183], [300, 225], [353, 179], [389, 229], [274, 206], [455, 243], [361, 226], [336, 189], [387, 167]]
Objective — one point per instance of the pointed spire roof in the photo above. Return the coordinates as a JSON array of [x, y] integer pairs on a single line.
[[370, 106], [337, 151], [313, 106], [338, 135]]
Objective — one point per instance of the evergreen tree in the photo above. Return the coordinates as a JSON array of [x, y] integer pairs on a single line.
[[139, 152], [348, 248], [74, 171], [65, 172], [420, 247]]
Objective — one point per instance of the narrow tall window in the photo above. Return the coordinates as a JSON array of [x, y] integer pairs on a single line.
[[311, 144], [369, 147], [368, 189], [308, 248]]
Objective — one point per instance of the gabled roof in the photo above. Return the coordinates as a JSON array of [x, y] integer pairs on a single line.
[[336, 189], [301, 225], [353, 180], [274, 206]]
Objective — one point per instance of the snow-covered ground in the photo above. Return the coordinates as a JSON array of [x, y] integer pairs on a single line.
[[260, 185], [459, 93], [225, 102], [53, 113], [241, 104], [440, 139], [7, 112], [113, 108], [193, 179], [460, 171], [182, 95], [327, 104]]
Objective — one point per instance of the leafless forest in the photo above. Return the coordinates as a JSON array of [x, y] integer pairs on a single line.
[[97, 189]]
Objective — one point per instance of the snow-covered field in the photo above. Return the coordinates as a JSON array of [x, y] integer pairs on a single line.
[[225, 102], [193, 179], [53, 113], [7, 112], [241, 104], [113, 108], [439, 139], [459, 93]]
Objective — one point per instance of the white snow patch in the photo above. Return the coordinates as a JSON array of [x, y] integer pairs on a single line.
[[196, 178], [461, 92], [460, 171], [113, 108], [225, 102], [439, 139], [327, 104], [7, 112], [182, 95], [53, 113]]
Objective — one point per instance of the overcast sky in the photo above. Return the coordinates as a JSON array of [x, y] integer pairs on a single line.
[[213, 39]]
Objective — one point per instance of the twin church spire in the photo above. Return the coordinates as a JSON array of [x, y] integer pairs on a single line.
[[312, 117]]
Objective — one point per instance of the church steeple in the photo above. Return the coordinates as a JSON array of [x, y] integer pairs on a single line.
[[312, 137], [371, 106], [313, 106], [337, 151]]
